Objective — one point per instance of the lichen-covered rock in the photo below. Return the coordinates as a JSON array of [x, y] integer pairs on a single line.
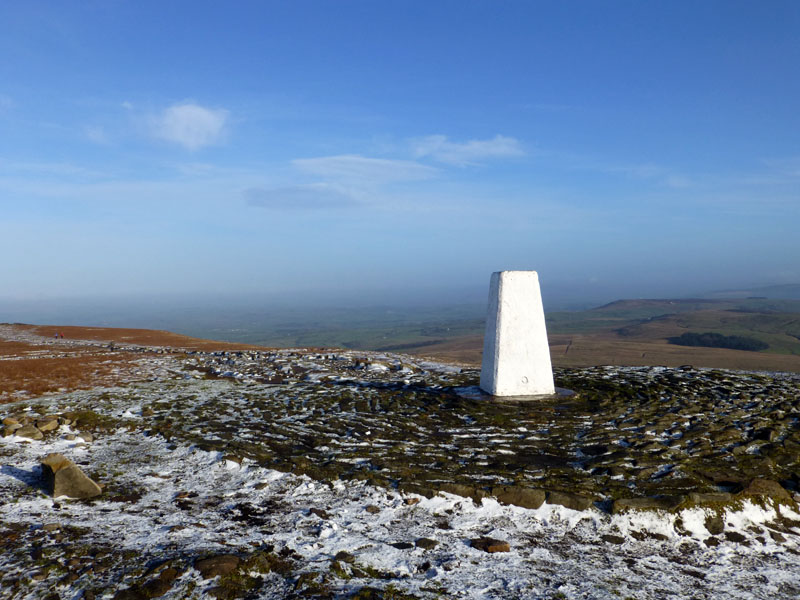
[[217, 565], [62, 477]]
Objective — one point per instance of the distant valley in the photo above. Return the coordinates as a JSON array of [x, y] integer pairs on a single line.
[[625, 332]]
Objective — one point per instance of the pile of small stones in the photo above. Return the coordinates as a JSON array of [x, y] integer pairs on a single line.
[[636, 437], [36, 427]]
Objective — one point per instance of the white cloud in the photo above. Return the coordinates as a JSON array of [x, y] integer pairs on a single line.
[[360, 169], [191, 126], [440, 148]]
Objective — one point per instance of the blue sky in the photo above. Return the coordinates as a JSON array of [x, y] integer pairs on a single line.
[[638, 148]]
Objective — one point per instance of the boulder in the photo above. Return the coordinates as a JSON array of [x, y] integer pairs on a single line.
[[30, 432], [48, 423], [11, 429], [764, 487], [459, 489], [569, 500], [62, 477], [519, 496]]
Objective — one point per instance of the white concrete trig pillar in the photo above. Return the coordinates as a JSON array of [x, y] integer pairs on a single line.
[[516, 355]]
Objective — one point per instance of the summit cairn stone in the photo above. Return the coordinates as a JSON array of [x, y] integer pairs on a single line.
[[516, 355]]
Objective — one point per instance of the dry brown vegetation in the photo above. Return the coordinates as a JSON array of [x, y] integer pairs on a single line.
[[50, 366], [45, 365], [144, 337], [38, 376], [13, 348], [586, 350]]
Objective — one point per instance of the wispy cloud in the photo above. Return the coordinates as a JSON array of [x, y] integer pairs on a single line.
[[96, 135], [314, 196], [789, 167], [191, 125], [363, 170], [55, 169], [441, 149], [6, 103], [652, 172]]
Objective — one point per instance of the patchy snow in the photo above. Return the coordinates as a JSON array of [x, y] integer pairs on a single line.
[[553, 549], [169, 499]]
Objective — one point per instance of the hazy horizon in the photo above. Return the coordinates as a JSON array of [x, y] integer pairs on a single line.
[[345, 152], [209, 315]]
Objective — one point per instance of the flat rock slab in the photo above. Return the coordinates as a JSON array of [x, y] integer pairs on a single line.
[[519, 496], [490, 545], [569, 500], [48, 423], [650, 503], [62, 477], [30, 432]]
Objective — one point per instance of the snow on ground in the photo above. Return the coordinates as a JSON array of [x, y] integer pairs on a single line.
[[169, 500], [555, 552]]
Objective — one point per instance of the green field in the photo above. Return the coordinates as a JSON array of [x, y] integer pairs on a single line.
[[775, 322]]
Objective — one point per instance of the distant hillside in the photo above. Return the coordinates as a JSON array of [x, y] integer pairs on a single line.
[[637, 332], [775, 322], [789, 291]]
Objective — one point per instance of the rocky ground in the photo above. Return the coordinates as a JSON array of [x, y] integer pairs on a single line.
[[292, 473]]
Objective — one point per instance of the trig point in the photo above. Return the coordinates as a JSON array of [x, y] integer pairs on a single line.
[[516, 356]]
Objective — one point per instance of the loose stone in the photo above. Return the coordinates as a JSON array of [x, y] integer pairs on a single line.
[[490, 545], [30, 432], [62, 477]]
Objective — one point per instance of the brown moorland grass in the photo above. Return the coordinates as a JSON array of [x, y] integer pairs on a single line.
[[13, 348], [64, 365], [37, 376], [144, 337]]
